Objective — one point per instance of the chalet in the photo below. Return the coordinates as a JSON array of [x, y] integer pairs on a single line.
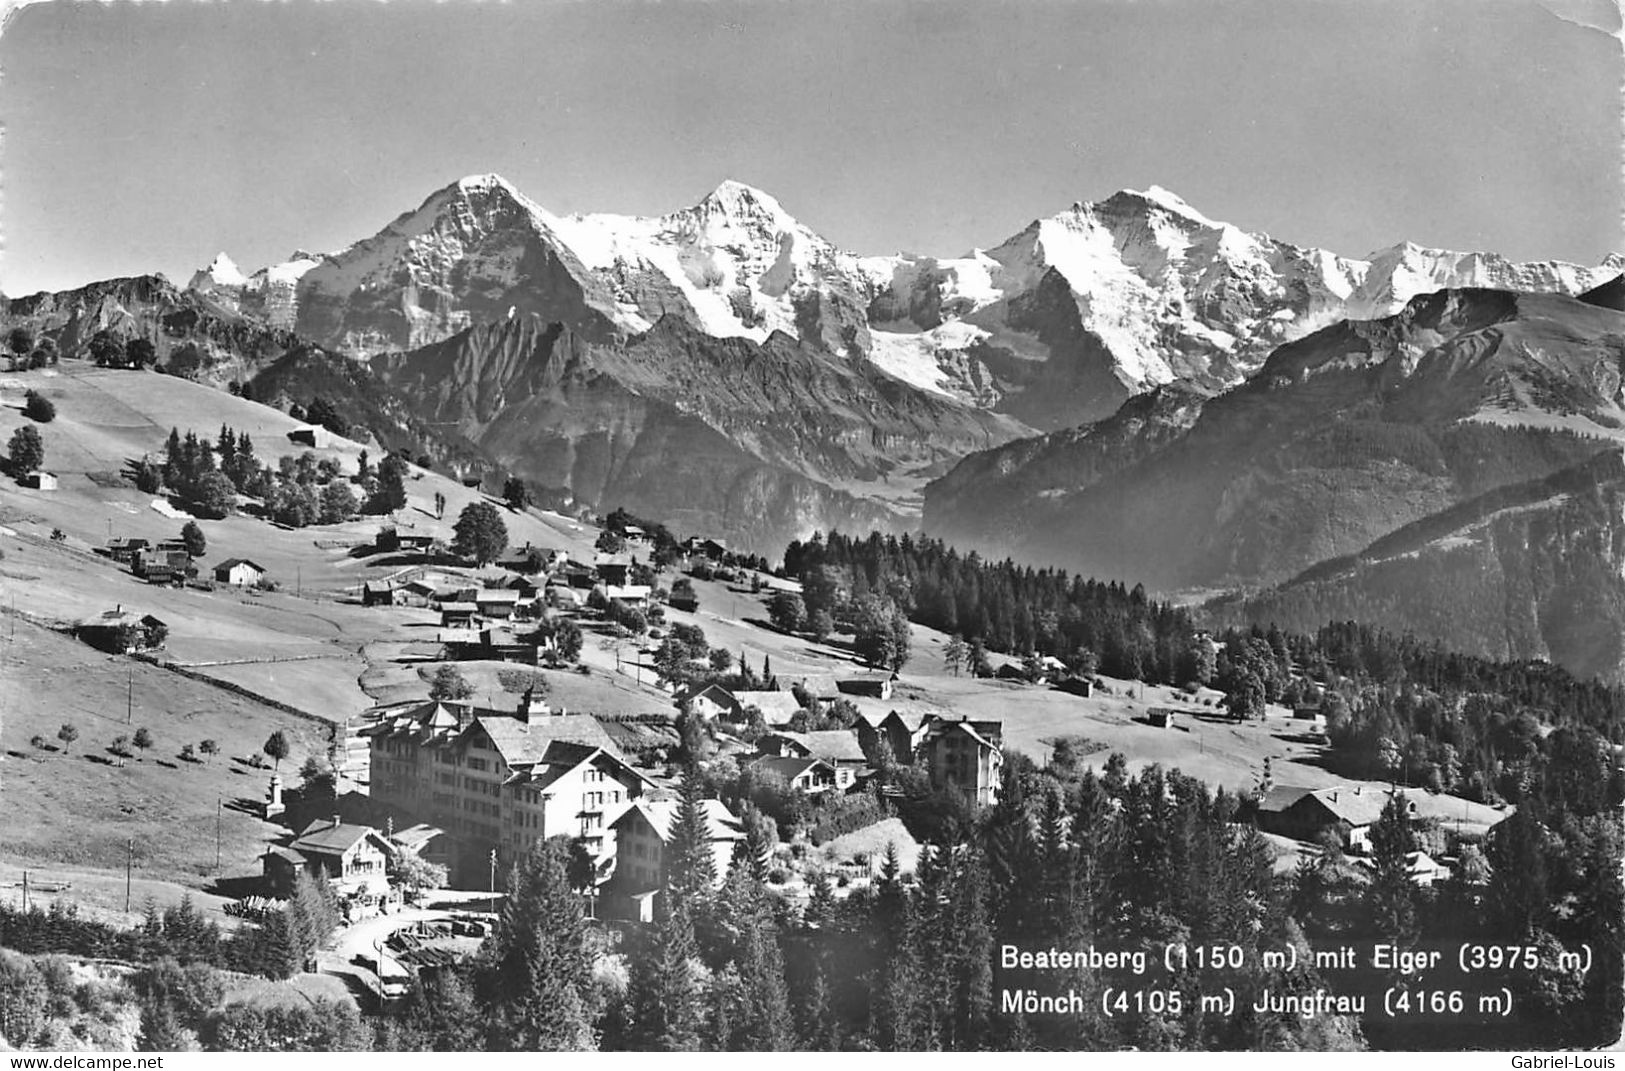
[[240, 572], [575, 575], [642, 832], [709, 701], [419, 593], [392, 540], [443, 763], [1310, 714], [684, 600], [1161, 718], [820, 687], [1420, 867], [963, 755], [354, 858], [779, 583], [635, 536], [1080, 686], [161, 565], [41, 481], [636, 595], [1346, 811], [489, 645], [124, 549], [877, 685], [1011, 671], [810, 775], [837, 747], [313, 435], [714, 549], [612, 569], [382, 593], [122, 632], [777, 708], [458, 614], [894, 733], [496, 604]]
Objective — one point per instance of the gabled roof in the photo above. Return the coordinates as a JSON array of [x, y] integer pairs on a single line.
[[662, 817], [323, 837], [509, 595], [831, 745], [459, 608], [116, 618], [777, 707], [230, 563], [789, 768], [711, 690], [563, 757], [1281, 797], [626, 591], [986, 733], [1358, 805], [526, 743]]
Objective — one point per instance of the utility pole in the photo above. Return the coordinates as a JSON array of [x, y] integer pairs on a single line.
[[129, 697], [129, 863], [219, 802], [25, 892]]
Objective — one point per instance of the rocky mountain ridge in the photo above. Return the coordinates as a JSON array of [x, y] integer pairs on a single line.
[[1055, 325]]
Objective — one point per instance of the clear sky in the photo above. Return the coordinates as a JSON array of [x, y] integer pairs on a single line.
[[147, 137]]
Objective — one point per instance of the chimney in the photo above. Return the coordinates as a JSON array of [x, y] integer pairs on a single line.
[[1357, 789], [336, 822]]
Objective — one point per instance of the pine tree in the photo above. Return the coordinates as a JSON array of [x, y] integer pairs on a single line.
[[691, 868], [538, 955], [1392, 896], [764, 1022], [665, 990]]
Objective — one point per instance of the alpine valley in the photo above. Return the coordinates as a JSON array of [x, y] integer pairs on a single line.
[[1127, 388]]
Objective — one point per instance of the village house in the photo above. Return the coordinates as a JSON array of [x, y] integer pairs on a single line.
[[392, 540], [893, 734], [354, 858], [837, 747], [1162, 718], [161, 564], [809, 775], [445, 764], [642, 832], [123, 549], [876, 685], [240, 572], [963, 756], [777, 708], [459, 614], [312, 435], [1077, 685], [496, 604], [41, 481], [1346, 811], [612, 569], [633, 595], [714, 549], [121, 631], [709, 701], [382, 593]]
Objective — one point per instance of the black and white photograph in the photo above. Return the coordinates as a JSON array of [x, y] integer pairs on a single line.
[[827, 526]]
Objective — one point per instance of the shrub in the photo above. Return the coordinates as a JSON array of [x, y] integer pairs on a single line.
[[778, 876]]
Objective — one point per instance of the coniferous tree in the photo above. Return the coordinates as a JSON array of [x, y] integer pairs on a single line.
[[538, 960], [665, 994]]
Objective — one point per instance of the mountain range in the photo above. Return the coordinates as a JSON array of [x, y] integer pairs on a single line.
[[1127, 387], [1053, 326]]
